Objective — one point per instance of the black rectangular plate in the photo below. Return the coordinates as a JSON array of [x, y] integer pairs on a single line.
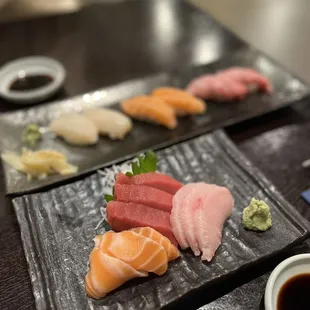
[[57, 228], [287, 89]]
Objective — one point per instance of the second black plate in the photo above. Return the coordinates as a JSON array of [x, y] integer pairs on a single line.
[[57, 228]]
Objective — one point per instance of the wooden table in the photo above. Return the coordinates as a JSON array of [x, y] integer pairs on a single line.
[[97, 48]]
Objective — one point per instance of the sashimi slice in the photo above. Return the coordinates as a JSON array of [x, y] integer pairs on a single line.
[[139, 252], [152, 179], [202, 86], [249, 76], [178, 217], [151, 109], [145, 195], [107, 273], [181, 101], [235, 88], [123, 216], [148, 232], [216, 204]]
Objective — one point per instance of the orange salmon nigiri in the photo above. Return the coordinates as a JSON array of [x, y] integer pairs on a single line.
[[181, 101], [151, 109], [139, 252], [107, 273], [148, 232]]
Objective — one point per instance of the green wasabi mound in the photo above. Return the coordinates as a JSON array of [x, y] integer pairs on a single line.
[[31, 135], [257, 216]]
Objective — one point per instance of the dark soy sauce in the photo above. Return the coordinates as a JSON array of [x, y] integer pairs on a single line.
[[30, 82], [295, 293]]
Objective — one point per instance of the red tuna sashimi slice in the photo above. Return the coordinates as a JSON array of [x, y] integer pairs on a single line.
[[145, 195], [211, 209], [153, 179], [124, 216], [248, 77], [202, 86]]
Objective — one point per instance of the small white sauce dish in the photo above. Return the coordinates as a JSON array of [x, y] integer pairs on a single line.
[[293, 266], [31, 66]]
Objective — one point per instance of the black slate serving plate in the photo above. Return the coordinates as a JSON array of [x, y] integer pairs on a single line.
[[57, 228], [287, 89]]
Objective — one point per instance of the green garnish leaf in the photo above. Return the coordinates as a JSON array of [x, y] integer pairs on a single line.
[[136, 169], [129, 174], [149, 162], [108, 198]]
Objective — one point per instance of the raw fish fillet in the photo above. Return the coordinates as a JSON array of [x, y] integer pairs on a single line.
[[178, 218], [139, 252], [150, 109], [145, 195], [75, 129], [211, 209], [122, 216], [107, 273], [236, 90], [148, 232], [181, 101], [249, 77], [152, 179], [198, 215], [203, 87], [109, 122]]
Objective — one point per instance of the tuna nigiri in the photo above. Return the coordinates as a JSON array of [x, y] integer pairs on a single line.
[[181, 101], [148, 232], [139, 252], [109, 122], [122, 216], [150, 109], [152, 179], [107, 273], [75, 129]]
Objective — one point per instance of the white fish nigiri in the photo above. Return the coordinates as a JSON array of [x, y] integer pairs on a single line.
[[109, 122], [75, 129]]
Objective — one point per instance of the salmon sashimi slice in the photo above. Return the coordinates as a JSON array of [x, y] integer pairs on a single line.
[[141, 253], [152, 179], [148, 232], [211, 209], [181, 101], [249, 77], [107, 273], [122, 216], [145, 195], [150, 109]]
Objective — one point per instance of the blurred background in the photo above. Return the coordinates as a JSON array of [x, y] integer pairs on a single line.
[[279, 28]]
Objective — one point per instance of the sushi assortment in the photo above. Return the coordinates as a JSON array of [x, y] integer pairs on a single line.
[[230, 84], [119, 257], [85, 128], [152, 205], [163, 106]]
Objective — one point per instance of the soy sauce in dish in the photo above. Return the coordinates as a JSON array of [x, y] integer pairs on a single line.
[[30, 82], [294, 294]]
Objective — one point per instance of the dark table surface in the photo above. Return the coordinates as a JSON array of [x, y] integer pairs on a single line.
[[106, 44]]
